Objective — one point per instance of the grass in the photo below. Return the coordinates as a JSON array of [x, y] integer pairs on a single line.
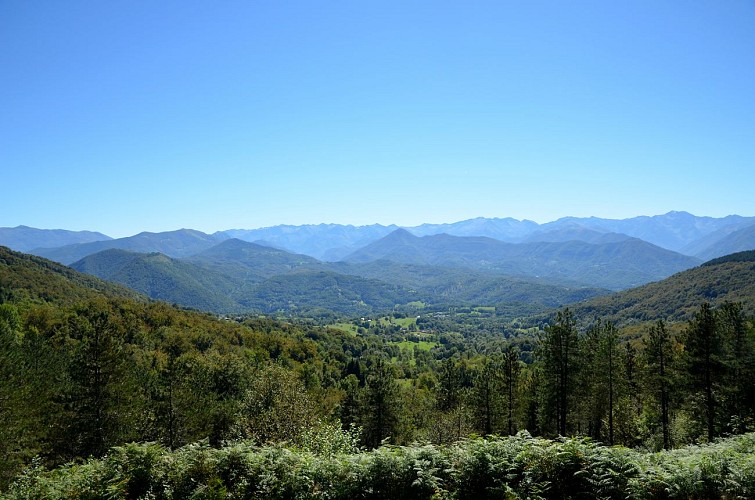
[[422, 345], [348, 328]]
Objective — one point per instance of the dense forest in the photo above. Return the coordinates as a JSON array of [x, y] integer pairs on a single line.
[[89, 367]]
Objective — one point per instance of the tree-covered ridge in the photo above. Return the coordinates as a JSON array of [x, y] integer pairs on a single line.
[[163, 278], [612, 264], [747, 256], [24, 238], [240, 277], [180, 243], [27, 277], [249, 285], [676, 298]]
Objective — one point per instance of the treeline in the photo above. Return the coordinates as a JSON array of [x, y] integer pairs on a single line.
[[78, 380], [81, 379]]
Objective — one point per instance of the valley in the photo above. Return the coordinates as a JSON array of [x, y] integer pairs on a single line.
[[464, 342]]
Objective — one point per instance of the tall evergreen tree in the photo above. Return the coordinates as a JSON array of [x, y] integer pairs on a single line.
[[452, 395], [704, 364], [558, 355], [738, 389], [98, 372], [381, 408], [657, 357], [511, 373], [486, 397]]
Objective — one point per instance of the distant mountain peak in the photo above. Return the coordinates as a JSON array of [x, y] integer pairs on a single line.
[[400, 233]]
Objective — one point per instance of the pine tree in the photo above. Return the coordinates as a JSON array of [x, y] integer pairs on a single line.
[[658, 356], [704, 364], [486, 397], [738, 390], [558, 356], [511, 374], [98, 373], [381, 407]]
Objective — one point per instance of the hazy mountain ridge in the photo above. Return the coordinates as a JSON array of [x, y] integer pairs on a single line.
[[614, 265], [736, 241], [504, 229], [237, 276], [179, 243], [322, 241], [678, 297], [678, 231], [673, 231], [25, 238]]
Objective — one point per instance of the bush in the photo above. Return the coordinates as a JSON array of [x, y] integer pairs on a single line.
[[512, 467]]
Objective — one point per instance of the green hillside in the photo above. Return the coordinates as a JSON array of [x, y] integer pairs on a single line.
[[252, 262], [163, 278], [307, 292], [730, 278], [243, 277], [86, 377], [453, 285], [27, 277], [238, 277]]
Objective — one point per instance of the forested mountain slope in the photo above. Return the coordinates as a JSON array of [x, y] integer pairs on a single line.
[[676, 298], [614, 265], [24, 238], [237, 276], [27, 277], [454, 285], [252, 262], [263, 280], [163, 278], [100, 371]]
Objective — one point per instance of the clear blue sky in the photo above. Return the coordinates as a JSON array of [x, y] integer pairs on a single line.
[[123, 116]]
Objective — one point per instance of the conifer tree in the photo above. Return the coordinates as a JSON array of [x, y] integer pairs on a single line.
[[511, 375], [738, 390], [704, 365], [658, 357], [486, 397], [558, 356], [381, 408]]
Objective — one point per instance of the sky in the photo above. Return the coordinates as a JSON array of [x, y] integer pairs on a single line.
[[129, 116]]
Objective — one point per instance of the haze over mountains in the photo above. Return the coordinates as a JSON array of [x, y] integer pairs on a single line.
[[357, 270], [678, 231]]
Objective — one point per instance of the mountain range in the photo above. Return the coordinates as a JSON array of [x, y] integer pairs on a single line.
[[28, 278], [357, 270], [238, 276], [701, 237]]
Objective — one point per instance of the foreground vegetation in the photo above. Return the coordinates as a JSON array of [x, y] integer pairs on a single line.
[[510, 467], [88, 368]]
